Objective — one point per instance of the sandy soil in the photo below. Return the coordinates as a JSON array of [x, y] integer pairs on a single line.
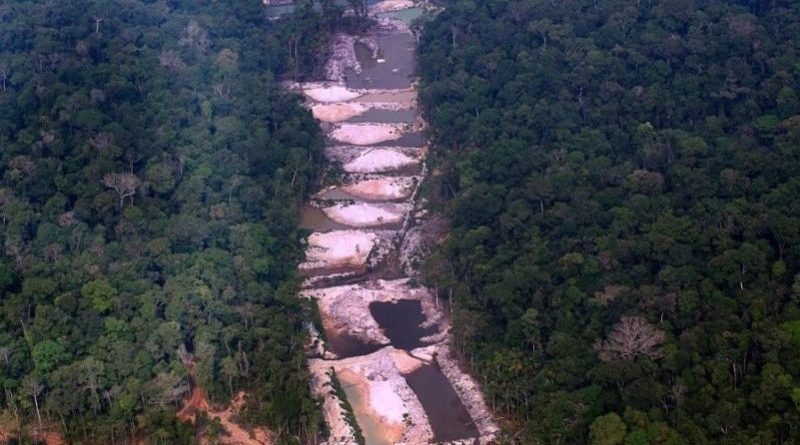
[[333, 93], [404, 97], [379, 160], [390, 5], [364, 214], [337, 112], [367, 134], [374, 425], [383, 188], [338, 249], [405, 363]]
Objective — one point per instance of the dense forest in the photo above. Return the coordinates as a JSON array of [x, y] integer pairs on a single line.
[[622, 179], [150, 172]]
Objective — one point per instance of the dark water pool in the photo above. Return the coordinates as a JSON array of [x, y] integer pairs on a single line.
[[416, 139], [386, 117], [401, 322], [345, 345], [448, 416]]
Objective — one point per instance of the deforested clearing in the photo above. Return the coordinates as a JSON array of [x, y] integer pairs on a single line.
[[391, 5], [338, 249], [383, 188], [367, 134], [337, 112], [367, 215], [333, 93], [379, 160]]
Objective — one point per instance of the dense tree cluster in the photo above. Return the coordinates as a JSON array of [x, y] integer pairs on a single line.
[[150, 172], [622, 179]]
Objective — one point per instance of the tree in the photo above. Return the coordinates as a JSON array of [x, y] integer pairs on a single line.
[[4, 72], [101, 294], [34, 387], [124, 184], [608, 430], [631, 337]]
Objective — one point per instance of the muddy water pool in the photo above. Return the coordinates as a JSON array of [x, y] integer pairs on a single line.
[[394, 66], [448, 417], [314, 219], [401, 322], [340, 195], [345, 345], [386, 117], [371, 428], [416, 139]]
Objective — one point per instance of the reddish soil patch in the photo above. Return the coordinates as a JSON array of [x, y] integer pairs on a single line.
[[236, 435], [50, 436]]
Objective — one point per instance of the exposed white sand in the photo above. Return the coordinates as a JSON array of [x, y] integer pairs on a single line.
[[334, 93], [390, 5], [379, 160], [404, 97], [367, 134], [337, 112], [365, 214], [381, 189], [341, 248]]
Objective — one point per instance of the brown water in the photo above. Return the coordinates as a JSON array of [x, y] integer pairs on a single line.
[[315, 219], [345, 345], [401, 322], [448, 417], [396, 70], [371, 427], [338, 194]]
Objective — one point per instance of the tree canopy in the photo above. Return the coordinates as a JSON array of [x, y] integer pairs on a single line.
[[150, 172], [622, 180]]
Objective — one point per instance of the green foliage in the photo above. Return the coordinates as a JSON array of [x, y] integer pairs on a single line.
[[608, 430], [47, 354], [150, 170], [338, 390], [792, 329], [100, 293], [602, 160]]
